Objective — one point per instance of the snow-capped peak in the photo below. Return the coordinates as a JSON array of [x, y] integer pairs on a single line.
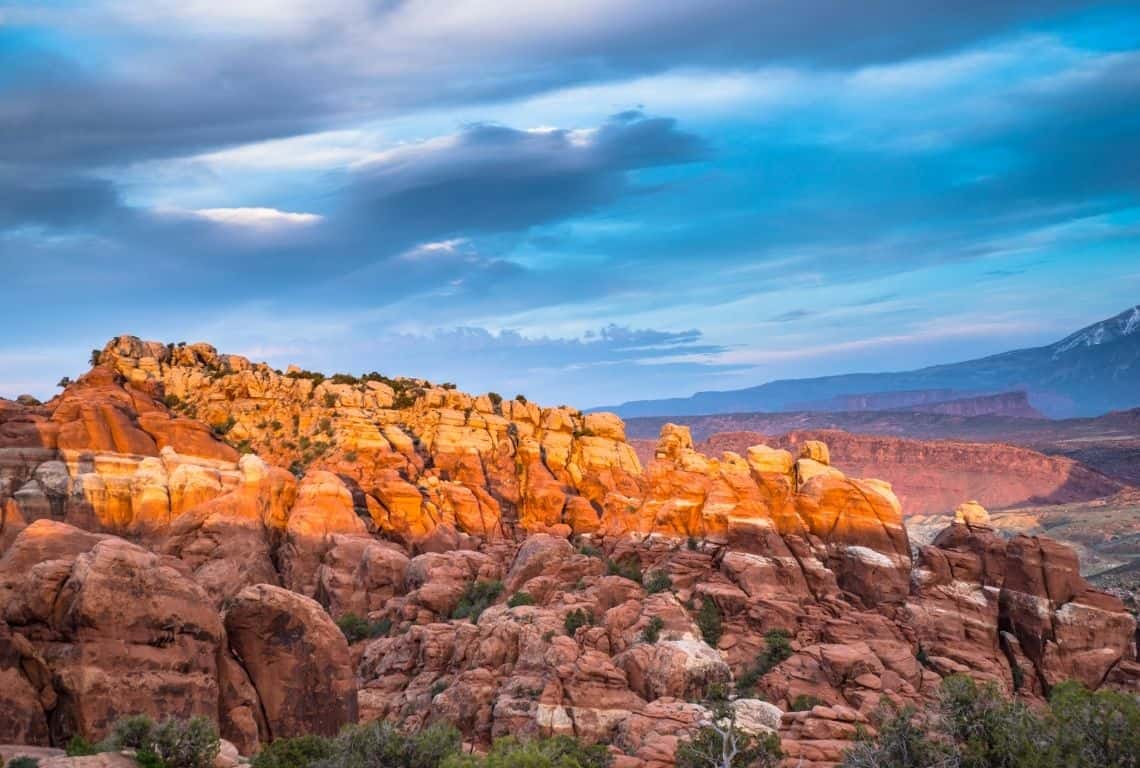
[[1124, 324]]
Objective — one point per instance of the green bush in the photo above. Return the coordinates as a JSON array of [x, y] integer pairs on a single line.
[[658, 581], [23, 761], [628, 568], [298, 752], [330, 400], [901, 743], [652, 631], [589, 550], [575, 619], [133, 732], [79, 746], [495, 398], [477, 598], [381, 745], [804, 702], [710, 621], [355, 628], [171, 401], [556, 752], [776, 649], [172, 743], [976, 726], [520, 598]]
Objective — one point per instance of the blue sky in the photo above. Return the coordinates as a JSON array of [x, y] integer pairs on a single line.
[[585, 202]]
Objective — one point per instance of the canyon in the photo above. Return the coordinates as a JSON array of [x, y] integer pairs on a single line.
[[510, 561]]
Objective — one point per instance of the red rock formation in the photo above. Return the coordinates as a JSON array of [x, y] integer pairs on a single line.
[[296, 660], [932, 476], [407, 501]]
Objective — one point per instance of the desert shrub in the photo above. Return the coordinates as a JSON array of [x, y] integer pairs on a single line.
[[658, 581], [710, 621], [381, 745], [64, 383], [172, 743], [133, 732], [976, 726], [171, 401], [693, 544], [589, 550], [521, 399], [556, 752], [350, 456], [627, 569], [330, 400], [298, 752], [477, 598], [776, 649], [804, 702], [901, 743], [276, 425], [520, 598], [23, 761], [96, 357], [652, 631], [495, 398], [1094, 728], [355, 628], [225, 426], [721, 744], [575, 619], [79, 747]]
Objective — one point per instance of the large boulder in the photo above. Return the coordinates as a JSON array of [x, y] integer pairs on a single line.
[[122, 629], [296, 658]]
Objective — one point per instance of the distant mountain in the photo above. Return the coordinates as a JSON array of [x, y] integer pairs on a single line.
[[1095, 370]]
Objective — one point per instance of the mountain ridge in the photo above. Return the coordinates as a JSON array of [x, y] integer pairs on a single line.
[[1089, 372]]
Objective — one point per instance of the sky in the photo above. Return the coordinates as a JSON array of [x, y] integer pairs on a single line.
[[584, 201]]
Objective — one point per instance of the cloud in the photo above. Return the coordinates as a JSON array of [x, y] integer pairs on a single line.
[[257, 218], [794, 314], [299, 67], [54, 200], [491, 178]]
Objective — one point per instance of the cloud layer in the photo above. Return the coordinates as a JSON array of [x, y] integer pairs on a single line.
[[797, 188]]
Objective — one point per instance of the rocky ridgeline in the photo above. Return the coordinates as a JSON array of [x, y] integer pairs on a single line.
[[180, 528]]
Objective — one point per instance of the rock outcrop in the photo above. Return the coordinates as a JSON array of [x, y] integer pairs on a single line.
[[513, 569]]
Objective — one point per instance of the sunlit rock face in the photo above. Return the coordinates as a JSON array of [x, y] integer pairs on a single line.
[[515, 569]]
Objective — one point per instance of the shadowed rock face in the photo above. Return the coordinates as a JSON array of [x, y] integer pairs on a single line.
[[411, 505]]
